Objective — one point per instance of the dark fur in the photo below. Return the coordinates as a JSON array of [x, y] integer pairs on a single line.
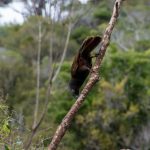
[[82, 64]]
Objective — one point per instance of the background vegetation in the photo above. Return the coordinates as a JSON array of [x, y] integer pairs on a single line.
[[115, 115]]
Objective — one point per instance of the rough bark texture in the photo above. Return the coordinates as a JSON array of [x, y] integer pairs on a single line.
[[94, 77]]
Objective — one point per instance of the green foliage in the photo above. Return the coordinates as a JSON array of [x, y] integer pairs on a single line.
[[116, 109], [8, 36], [115, 114], [4, 122], [102, 14], [142, 45], [119, 109], [80, 33]]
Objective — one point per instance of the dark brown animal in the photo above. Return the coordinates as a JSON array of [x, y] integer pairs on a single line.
[[82, 64]]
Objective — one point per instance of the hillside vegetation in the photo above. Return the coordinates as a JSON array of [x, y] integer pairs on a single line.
[[116, 113]]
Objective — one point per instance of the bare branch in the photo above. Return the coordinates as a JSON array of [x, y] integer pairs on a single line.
[[37, 88], [34, 130], [38, 76], [94, 77], [64, 53]]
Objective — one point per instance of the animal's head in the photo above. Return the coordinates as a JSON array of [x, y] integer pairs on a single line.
[[74, 88]]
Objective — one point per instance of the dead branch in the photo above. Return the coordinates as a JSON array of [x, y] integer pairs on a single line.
[[34, 130], [64, 53], [94, 77], [38, 78]]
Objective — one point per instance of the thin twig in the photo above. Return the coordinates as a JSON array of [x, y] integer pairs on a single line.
[[38, 77], [34, 130], [94, 77], [64, 52]]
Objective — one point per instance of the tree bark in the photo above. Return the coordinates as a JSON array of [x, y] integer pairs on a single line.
[[94, 77]]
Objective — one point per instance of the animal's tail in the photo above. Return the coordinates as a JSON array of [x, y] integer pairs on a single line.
[[89, 44]]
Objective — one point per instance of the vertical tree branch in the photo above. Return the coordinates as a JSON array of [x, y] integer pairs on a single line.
[[94, 77], [51, 37], [64, 53], [35, 118], [38, 76]]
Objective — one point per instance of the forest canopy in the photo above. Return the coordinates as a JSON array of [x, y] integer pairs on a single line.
[[115, 114]]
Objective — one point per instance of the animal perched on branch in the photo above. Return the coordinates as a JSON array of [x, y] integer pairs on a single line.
[[82, 64]]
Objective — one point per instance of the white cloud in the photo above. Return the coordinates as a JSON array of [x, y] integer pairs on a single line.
[[7, 14], [83, 1]]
